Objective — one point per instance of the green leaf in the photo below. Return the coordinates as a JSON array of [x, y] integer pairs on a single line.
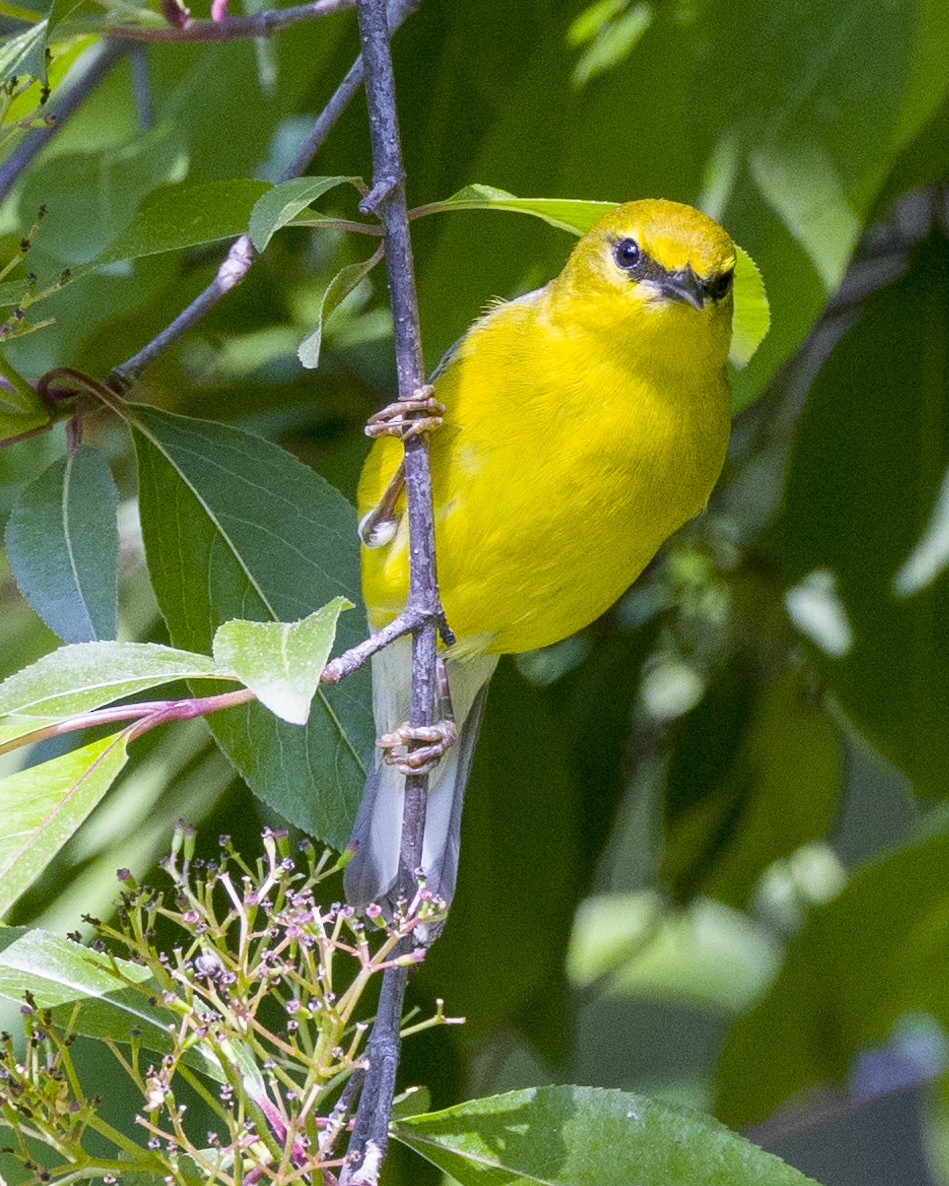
[[577, 780], [12, 293], [172, 218], [63, 546], [59, 973], [34, 59], [90, 195], [928, 73], [16, 13], [78, 678], [803, 186], [586, 26], [564, 213], [236, 528], [614, 40], [506, 855], [100, 17], [751, 318], [862, 510], [581, 1136], [60, 10], [56, 56], [706, 955], [43, 806], [21, 407], [14, 424], [411, 1102], [804, 160], [179, 216], [342, 284], [281, 662], [755, 773], [25, 54], [283, 203], [870, 957]]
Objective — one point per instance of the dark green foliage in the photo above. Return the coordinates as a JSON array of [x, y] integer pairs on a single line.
[[665, 798]]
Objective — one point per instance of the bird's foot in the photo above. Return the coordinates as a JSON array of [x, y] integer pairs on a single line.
[[420, 748], [407, 418]]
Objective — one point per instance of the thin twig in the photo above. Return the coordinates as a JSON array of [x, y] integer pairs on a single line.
[[62, 106], [339, 1117], [241, 255], [349, 661], [149, 714], [237, 263], [340, 100], [141, 89], [231, 28], [367, 1149]]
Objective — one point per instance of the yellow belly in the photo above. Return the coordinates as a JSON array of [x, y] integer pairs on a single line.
[[555, 480]]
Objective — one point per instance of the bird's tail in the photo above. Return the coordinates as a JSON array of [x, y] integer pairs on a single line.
[[377, 833]]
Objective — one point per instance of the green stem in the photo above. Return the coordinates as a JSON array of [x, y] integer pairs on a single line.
[[260, 1120], [147, 715], [428, 1024], [126, 1144], [104, 1165], [29, 400], [67, 1063], [339, 224], [199, 1089]]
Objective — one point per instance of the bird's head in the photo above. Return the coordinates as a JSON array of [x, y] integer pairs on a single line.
[[657, 267]]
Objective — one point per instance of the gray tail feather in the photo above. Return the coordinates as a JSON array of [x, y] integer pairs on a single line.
[[442, 843], [374, 866]]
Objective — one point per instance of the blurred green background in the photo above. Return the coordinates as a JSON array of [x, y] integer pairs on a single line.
[[705, 847]]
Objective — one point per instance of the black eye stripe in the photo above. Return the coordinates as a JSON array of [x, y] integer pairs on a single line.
[[630, 258], [720, 286]]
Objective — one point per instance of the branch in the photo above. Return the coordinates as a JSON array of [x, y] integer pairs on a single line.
[[351, 660], [237, 263], [64, 106], [148, 714], [387, 198], [240, 258], [231, 28], [370, 1137], [138, 61]]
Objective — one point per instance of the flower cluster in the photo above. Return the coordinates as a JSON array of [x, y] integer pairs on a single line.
[[253, 1004]]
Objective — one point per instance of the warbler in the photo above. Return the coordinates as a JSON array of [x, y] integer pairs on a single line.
[[580, 425]]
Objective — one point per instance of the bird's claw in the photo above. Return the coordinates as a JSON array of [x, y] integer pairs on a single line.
[[407, 418], [422, 746]]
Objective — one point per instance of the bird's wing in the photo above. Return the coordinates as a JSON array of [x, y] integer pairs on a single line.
[[453, 352], [380, 522]]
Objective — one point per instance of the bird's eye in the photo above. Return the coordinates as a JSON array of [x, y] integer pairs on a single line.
[[627, 253], [720, 286]]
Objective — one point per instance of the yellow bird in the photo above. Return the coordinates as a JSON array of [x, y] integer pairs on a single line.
[[583, 424]]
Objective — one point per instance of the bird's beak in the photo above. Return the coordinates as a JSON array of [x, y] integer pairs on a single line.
[[683, 286]]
